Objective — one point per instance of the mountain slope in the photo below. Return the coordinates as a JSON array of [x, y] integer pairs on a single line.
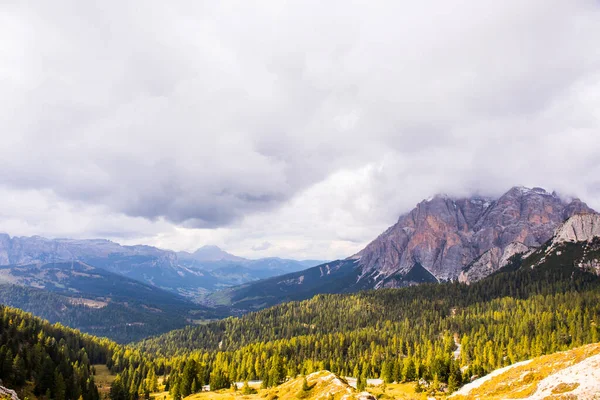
[[330, 313], [143, 263], [95, 301], [572, 374], [576, 242], [38, 359], [320, 385], [441, 239]]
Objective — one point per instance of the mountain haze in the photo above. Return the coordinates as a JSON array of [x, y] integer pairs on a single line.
[[187, 274]]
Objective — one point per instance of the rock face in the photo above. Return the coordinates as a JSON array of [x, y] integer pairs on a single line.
[[490, 261], [579, 228], [468, 237], [575, 374], [576, 242], [8, 393]]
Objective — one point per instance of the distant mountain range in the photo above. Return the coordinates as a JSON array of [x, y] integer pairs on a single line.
[[96, 301], [188, 274], [441, 239]]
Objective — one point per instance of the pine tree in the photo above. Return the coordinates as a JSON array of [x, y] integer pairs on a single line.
[[387, 372], [117, 390], [176, 393], [59, 386], [361, 382], [189, 374], [246, 389], [304, 390], [305, 386], [18, 371], [409, 371]]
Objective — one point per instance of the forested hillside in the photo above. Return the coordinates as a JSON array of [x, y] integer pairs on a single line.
[[120, 321], [96, 301], [427, 331], [55, 362], [58, 360]]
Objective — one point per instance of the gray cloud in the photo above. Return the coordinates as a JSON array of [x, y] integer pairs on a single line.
[[207, 115]]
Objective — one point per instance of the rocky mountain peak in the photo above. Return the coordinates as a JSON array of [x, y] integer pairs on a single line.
[[447, 235], [210, 253]]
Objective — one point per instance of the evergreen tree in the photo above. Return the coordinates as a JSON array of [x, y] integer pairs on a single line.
[[18, 371], [175, 392], [387, 372], [117, 390], [361, 381], [247, 390]]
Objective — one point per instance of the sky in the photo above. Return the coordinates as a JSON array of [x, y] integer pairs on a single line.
[[298, 129]]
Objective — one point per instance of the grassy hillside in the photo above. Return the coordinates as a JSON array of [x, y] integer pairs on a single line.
[[573, 374], [321, 385]]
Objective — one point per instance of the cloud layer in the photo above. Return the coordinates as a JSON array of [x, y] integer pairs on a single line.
[[287, 128]]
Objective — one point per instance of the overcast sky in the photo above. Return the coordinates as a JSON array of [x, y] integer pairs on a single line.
[[286, 128]]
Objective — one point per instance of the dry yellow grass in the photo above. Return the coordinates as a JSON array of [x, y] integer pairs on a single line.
[[522, 381], [404, 391], [324, 385], [103, 379]]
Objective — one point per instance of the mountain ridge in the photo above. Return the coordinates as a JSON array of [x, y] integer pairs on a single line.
[[188, 274]]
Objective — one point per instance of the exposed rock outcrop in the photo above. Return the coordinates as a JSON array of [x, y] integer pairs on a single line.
[[6, 393], [572, 374], [490, 261], [579, 228]]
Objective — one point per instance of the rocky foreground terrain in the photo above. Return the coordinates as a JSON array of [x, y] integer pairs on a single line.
[[8, 394], [573, 374]]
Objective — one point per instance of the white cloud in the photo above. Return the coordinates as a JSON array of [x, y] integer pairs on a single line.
[[309, 126]]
